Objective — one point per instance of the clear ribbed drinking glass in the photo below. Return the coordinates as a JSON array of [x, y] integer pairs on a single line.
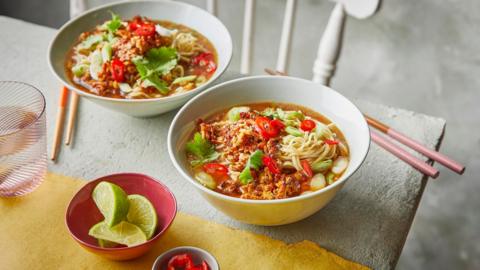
[[23, 149]]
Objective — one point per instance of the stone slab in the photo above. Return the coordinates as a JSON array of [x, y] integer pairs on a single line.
[[367, 222]]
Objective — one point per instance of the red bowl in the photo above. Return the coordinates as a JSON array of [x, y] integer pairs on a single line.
[[82, 213]]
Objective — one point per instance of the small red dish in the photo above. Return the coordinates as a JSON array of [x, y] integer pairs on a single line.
[[82, 213]]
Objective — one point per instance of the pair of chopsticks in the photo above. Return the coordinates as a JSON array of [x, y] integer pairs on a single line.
[[76, 7], [59, 125], [399, 152]]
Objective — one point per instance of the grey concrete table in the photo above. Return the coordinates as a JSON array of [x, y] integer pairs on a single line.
[[367, 222]]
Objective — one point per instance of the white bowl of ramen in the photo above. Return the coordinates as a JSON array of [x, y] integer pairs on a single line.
[[238, 198], [103, 58]]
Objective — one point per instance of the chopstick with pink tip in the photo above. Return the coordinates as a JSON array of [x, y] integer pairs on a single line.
[[404, 155], [438, 157]]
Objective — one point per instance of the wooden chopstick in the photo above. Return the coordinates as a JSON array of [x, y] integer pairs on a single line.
[[76, 7], [389, 146], [415, 145], [72, 116], [57, 136], [274, 72]]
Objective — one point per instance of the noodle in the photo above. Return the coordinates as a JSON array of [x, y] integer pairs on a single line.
[[140, 58], [311, 146], [187, 45], [178, 71], [265, 151]]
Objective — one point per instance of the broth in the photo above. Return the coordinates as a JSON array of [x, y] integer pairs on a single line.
[[270, 151]]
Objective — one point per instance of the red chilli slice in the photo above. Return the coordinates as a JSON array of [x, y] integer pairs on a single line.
[[307, 125], [270, 164], [268, 128], [117, 68], [277, 124], [183, 260], [217, 170], [307, 169], [145, 29], [206, 62], [330, 142]]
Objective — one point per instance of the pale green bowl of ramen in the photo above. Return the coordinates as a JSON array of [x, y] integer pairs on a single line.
[[141, 58], [268, 150]]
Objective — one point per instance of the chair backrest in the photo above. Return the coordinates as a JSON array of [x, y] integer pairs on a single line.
[[330, 42]]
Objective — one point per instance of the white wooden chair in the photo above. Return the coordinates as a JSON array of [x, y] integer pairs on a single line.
[[330, 42]]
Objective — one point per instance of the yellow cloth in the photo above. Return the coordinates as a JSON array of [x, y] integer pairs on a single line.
[[33, 235]]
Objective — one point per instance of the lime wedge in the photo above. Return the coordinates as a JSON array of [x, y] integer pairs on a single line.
[[123, 233], [142, 213], [106, 243], [112, 202]]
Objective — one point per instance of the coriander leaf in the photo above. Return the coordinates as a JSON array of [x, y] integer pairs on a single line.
[[212, 157], [114, 23], [141, 67], [254, 162], [167, 67], [156, 62], [159, 84], [202, 149], [161, 59], [161, 55], [198, 146]]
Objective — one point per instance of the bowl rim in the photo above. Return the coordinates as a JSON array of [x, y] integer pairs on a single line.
[[40, 114], [71, 86], [102, 178], [156, 263], [218, 195]]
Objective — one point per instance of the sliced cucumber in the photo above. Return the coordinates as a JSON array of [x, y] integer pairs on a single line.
[[330, 178], [79, 70], [90, 41], [293, 131], [280, 113], [322, 166], [184, 79], [125, 87], [206, 180], [234, 113], [321, 130], [162, 31], [294, 115], [96, 62], [339, 165], [107, 52], [318, 182]]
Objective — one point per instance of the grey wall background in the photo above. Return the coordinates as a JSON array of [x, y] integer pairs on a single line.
[[419, 55]]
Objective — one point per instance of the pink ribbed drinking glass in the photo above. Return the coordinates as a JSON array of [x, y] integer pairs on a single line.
[[23, 149]]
